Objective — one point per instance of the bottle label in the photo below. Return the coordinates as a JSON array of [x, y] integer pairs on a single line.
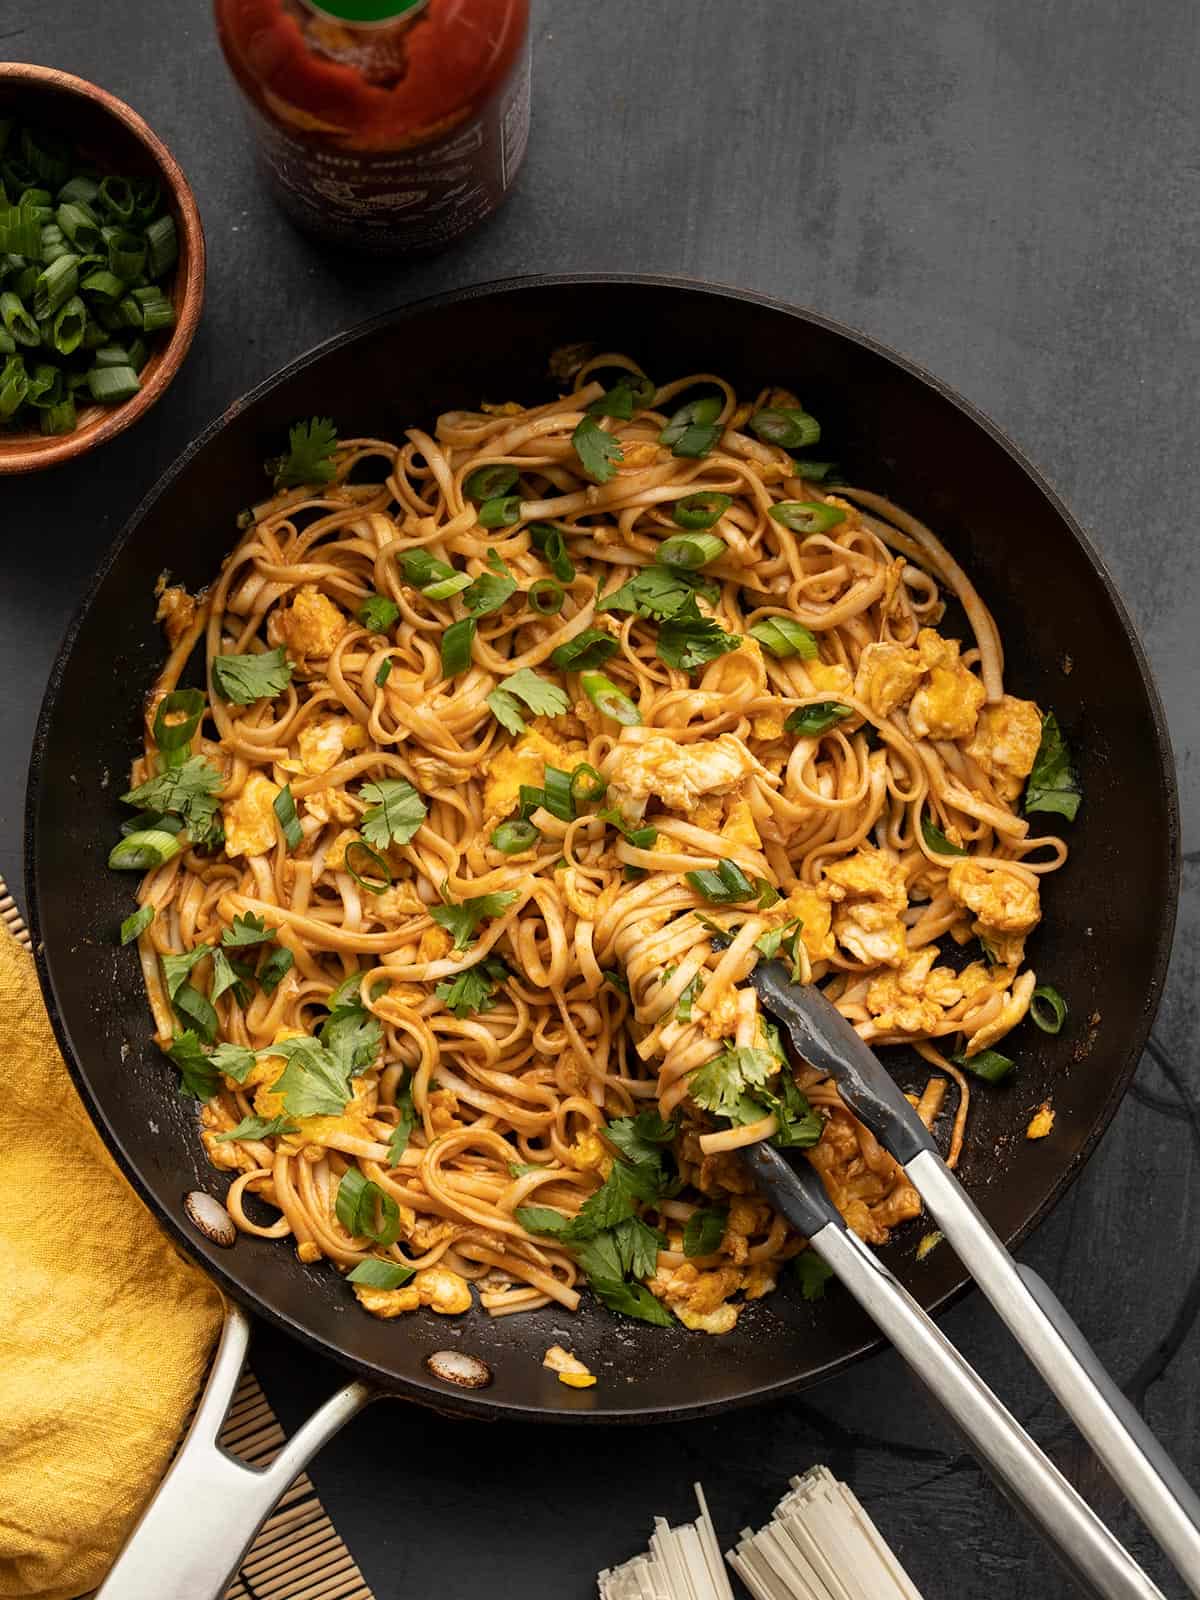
[[365, 12], [400, 200]]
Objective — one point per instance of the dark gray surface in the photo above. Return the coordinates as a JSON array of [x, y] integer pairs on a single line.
[[1007, 194]]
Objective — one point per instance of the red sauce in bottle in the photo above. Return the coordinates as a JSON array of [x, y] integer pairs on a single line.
[[397, 133]]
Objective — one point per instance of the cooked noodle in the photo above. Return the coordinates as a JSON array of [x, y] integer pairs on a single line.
[[511, 1102]]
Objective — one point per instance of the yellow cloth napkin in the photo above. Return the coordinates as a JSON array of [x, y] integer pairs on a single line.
[[105, 1331]]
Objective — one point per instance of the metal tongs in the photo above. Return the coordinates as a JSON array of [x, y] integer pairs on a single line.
[[1120, 1438]]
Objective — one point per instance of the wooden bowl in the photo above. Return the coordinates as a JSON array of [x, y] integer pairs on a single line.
[[112, 136]]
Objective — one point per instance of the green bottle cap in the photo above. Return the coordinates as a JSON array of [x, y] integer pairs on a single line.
[[366, 12]]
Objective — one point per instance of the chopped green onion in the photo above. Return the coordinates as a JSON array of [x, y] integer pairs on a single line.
[[128, 313], [587, 785], [20, 234], [115, 196], [546, 597], [989, 1065], [378, 613], [284, 808], [59, 418], [694, 429], [53, 243], [67, 334], [784, 636], [138, 852], [558, 795], [608, 699], [512, 837], [384, 673], [174, 738], [8, 345], [632, 392], [138, 355], [17, 320], [136, 923], [162, 246], [727, 885], [456, 646], [1047, 1008], [14, 386], [79, 191], [127, 255], [551, 542], [500, 512], [146, 198], [815, 471], [696, 512], [807, 516], [373, 863], [443, 588], [819, 718], [691, 550], [794, 430], [48, 155], [80, 227], [486, 483], [45, 386], [111, 384], [112, 355]]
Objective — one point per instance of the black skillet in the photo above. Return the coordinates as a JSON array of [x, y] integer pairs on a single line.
[[1070, 645]]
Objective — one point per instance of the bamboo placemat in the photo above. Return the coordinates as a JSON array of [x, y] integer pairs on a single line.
[[299, 1555]]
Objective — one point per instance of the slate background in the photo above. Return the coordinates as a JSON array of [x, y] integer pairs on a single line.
[[1009, 194]]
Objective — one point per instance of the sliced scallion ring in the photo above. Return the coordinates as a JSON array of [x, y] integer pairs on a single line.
[[1047, 1008], [558, 795], [136, 923], [375, 875], [443, 588], [784, 636], [514, 836], [501, 511], [138, 852], [696, 512], [550, 540], [807, 516], [486, 483], [607, 698], [587, 785], [173, 738], [793, 429], [284, 808], [546, 597], [691, 550]]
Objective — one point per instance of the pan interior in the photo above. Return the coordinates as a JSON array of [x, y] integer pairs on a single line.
[[1109, 913]]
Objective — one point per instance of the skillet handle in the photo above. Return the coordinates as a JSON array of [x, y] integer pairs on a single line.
[[205, 1514]]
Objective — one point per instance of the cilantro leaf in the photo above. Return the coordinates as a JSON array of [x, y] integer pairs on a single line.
[[617, 1198], [1053, 782], [809, 721], [598, 451], [352, 1036], [656, 592], [704, 1230], [198, 1073], [474, 990], [637, 1245], [397, 811], [234, 1060], [683, 1008], [543, 698], [227, 974], [275, 968], [462, 919], [800, 1127], [247, 930], [310, 454], [687, 640], [188, 792], [633, 1144], [631, 1300], [588, 649], [195, 1010], [651, 1128], [814, 1274], [175, 968], [722, 1084], [314, 1082], [490, 590], [259, 1128], [542, 1219], [725, 885], [244, 679]]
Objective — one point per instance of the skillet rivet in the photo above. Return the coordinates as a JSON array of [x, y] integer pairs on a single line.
[[210, 1217], [455, 1366]]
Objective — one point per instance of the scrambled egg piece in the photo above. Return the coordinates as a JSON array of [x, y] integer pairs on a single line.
[[946, 706], [869, 887], [331, 1131], [329, 805], [335, 856], [887, 676], [523, 762], [767, 725], [911, 999], [699, 1299], [721, 1021], [813, 911], [569, 1368], [1041, 1122], [310, 626], [1006, 742], [677, 773], [589, 1153], [387, 1303], [739, 826], [831, 679], [1011, 1012], [250, 818], [264, 1073], [322, 742], [434, 944], [448, 1293], [1002, 901], [443, 1111], [176, 611]]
